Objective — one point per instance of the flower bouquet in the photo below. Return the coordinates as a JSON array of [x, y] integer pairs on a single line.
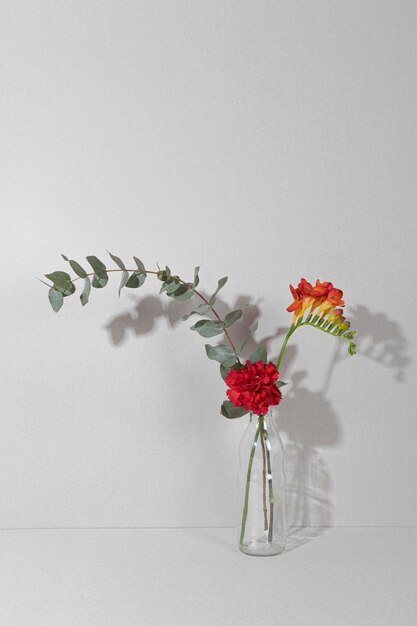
[[253, 384]]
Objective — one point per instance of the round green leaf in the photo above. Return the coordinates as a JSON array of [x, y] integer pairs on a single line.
[[229, 410], [208, 328], [56, 299], [222, 353], [98, 267], [60, 279], [172, 286], [136, 280], [232, 317], [99, 282]]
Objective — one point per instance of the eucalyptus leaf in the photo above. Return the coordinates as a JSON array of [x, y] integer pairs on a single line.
[[162, 275], [229, 410], [221, 283], [196, 277], [208, 328], [280, 383], [80, 271], [60, 279], [98, 267], [184, 296], [184, 292], [67, 291], [182, 289], [225, 370], [202, 309], [123, 281], [223, 354], [118, 261], [56, 299], [259, 355], [99, 282], [172, 286], [86, 291], [232, 317], [136, 280], [140, 265]]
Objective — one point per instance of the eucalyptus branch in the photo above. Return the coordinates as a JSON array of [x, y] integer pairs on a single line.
[[222, 322], [63, 285]]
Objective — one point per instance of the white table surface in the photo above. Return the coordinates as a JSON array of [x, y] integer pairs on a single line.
[[126, 577]]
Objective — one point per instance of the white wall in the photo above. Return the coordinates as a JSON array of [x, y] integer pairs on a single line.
[[263, 140]]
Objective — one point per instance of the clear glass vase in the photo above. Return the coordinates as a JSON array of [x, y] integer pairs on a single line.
[[261, 488]]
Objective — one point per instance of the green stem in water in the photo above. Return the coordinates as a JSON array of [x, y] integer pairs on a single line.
[[248, 475], [270, 488], [262, 424]]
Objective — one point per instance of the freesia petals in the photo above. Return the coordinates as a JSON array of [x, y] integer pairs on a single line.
[[323, 296], [321, 289], [334, 296]]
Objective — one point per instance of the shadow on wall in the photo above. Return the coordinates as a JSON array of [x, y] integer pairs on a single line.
[[309, 422], [307, 418], [379, 339]]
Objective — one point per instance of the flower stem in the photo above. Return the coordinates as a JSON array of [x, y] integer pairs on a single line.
[[284, 345], [248, 475], [270, 488], [309, 322], [261, 423]]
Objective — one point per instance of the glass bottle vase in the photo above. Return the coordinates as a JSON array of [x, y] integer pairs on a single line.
[[261, 488]]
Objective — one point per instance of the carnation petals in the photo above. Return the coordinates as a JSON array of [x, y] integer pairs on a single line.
[[253, 387]]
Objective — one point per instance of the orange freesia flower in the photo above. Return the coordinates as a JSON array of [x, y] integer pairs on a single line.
[[302, 298], [323, 296], [336, 316]]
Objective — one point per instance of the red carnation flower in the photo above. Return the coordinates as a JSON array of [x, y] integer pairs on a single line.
[[252, 387]]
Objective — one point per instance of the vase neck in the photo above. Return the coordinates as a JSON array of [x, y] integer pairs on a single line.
[[268, 421], [267, 417]]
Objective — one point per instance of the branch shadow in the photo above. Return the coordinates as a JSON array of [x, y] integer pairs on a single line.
[[381, 340], [140, 321]]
